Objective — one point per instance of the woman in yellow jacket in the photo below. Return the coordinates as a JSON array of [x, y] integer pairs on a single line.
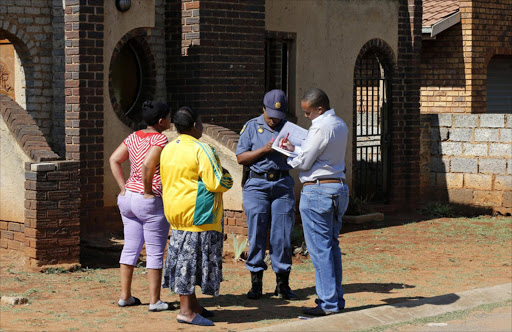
[[193, 181]]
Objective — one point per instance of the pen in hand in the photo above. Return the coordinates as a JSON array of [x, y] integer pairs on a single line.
[[283, 142]]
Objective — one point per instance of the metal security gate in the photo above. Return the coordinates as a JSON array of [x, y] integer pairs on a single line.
[[372, 96]]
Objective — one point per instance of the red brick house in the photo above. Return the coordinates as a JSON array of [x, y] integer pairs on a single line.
[[74, 73]]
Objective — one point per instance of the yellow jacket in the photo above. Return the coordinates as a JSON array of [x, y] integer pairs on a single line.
[[192, 185]]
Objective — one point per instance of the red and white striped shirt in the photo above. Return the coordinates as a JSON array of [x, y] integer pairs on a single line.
[[138, 144]]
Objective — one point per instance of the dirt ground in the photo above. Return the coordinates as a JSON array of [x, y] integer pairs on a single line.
[[402, 258]]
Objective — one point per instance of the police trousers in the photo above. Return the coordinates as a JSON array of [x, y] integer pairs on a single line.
[[269, 205]]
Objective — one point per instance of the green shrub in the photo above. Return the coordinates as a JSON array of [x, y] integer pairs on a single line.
[[437, 210], [238, 247], [297, 236], [55, 270]]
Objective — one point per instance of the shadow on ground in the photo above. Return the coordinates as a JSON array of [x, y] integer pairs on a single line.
[[390, 220], [276, 308], [273, 307], [374, 287], [101, 252]]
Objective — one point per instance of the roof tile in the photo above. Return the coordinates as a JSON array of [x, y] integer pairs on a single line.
[[435, 10]]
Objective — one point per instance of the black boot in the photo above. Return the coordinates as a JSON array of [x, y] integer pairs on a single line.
[[283, 290], [257, 284]]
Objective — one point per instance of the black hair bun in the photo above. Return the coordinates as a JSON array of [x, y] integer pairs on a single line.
[[147, 104]]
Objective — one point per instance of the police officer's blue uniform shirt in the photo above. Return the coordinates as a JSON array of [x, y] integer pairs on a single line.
[[267, 204], [255, 134]]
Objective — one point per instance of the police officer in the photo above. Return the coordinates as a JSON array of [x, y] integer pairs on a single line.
[[268, 196]]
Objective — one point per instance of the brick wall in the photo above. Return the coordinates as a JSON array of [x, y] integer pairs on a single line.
[[487, 31], [157, 44], [465, 157], [235, 222], [454, 65], [182, 81], [469, 159], [58, 83], [52, 215], [32, 28], [84, 99], [21, 124], [50, 233], [405, 120], [215, 52], [444, 74], [12, 235]]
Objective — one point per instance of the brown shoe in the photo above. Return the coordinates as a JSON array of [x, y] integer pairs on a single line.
[[317, 311]]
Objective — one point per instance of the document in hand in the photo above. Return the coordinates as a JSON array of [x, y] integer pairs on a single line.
[[295, 135]]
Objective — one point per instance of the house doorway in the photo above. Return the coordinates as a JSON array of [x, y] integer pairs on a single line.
[[372, 111]]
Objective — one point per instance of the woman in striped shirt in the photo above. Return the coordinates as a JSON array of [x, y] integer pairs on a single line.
[[140, 203]]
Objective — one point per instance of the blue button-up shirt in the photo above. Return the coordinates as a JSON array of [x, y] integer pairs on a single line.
[[255, 134], [322, 154]]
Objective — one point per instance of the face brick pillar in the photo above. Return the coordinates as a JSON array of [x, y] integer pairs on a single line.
[[84, 99], [215, 56], [52, 222], [406, 107]]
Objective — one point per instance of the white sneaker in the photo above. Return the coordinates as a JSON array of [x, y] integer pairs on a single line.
[[128, 303], [159, 306]]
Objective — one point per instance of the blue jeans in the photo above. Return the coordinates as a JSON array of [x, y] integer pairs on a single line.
[[321, 207]]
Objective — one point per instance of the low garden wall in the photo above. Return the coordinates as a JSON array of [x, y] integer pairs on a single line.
[[467, 159]]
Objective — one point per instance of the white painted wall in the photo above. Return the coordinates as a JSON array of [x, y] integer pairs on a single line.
[[19, 84], [117, 24], [330, 34], [232, 199], [12, 176]]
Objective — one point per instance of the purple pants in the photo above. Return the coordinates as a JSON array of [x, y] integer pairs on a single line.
[[144, 221]]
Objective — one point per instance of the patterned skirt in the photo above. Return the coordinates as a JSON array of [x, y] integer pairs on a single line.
[[194, 259]]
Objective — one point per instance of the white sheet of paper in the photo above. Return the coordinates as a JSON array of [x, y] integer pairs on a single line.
[[296, 136], [285, 152]]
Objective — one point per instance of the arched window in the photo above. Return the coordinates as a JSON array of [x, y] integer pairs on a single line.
[[132, 79], [499, 85], [127, 79]]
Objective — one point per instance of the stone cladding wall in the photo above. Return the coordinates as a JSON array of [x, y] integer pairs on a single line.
[[467, 160]]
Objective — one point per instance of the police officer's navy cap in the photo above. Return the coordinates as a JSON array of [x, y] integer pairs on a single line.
[[276, 104]]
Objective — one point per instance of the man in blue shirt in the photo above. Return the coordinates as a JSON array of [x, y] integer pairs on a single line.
[[324, 197], [268, 197]]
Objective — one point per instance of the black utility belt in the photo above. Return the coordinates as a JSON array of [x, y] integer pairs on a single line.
[[270, 175]]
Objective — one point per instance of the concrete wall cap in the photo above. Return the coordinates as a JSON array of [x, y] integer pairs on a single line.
[[43, 167]]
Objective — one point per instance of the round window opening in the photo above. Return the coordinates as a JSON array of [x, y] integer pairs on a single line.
[[131, 82]]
